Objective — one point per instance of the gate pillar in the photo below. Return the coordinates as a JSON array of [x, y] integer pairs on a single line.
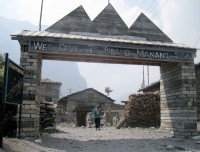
[[31, 62], [178, 99]]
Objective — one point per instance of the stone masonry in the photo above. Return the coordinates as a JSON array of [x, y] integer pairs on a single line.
[[31, 62], [50, 90], [58, 42], [197, 72], [178, 99]]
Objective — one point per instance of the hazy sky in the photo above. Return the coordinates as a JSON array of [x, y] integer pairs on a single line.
[[179, 19]]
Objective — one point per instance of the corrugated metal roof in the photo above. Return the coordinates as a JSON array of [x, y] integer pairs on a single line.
[[63, 99], [149, 86], [97, 37]]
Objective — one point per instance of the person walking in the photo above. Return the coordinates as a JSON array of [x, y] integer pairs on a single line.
[[97, 113]]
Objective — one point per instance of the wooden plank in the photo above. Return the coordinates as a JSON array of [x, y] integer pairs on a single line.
[[58, 35], [19, 33], [65, 36], [96, 59], [36, 33], [44, 33], [51, 34], [29, 33]]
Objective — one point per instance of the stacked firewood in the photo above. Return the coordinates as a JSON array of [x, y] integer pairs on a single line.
[[47, 117], [143, 110]]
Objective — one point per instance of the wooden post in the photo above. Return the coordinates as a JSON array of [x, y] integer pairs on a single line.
[[121, 123]]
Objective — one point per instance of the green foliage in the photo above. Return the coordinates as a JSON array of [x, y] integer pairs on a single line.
[[1, 71], [108, 90]]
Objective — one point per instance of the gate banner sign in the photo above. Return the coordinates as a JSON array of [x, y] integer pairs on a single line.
[[110, 51], [14, 82]]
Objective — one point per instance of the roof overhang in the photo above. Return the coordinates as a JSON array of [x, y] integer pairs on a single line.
[[88, 47]]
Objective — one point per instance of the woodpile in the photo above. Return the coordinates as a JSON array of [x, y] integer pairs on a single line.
[[47, 117], [143, 110]]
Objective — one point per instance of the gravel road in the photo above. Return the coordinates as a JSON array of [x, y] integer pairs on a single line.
[[108, 139]]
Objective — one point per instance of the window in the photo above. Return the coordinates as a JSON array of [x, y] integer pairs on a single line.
[[48, 87]]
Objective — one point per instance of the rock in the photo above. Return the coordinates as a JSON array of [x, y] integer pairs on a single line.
[[50, 128], [44, 134], [198, 142], [196, 137], [39, 141], [170, 147]]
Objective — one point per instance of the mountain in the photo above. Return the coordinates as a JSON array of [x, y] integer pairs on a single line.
[[65, 72]]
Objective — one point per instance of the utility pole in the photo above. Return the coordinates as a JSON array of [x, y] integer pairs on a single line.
[[143, 82], [148, 73], [70, 90], [41, 15]]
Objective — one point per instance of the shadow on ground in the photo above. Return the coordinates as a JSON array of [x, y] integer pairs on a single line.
[[120, 145], [63, 141]]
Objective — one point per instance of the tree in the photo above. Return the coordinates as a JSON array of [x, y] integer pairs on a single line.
[[108, 90], [1, 71]]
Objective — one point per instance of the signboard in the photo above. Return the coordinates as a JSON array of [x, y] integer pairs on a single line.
[[14, 83], [12, 92], [111, 51]]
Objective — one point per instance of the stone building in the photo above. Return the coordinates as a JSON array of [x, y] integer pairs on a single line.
[[50, 90], [74, 107]]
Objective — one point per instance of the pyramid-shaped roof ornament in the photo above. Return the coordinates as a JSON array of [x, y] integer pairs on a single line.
[[144, 27], [108, 22], [76, 21]]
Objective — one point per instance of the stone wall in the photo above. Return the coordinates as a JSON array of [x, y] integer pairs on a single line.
[[50, 91], [177, 86], [178, 99], [31, 62], [197, 72]]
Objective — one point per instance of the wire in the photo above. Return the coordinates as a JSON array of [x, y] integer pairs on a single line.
[[160, 9], [137, 10], [100, 72], [197, 42], [151, 4], [91, 72]]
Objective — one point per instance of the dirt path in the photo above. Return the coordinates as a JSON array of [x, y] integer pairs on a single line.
[[107, 139]]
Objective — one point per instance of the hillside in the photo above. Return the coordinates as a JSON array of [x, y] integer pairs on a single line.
[[65, 72]]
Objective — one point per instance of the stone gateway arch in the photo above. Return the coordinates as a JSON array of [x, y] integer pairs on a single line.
[[107, 39]]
